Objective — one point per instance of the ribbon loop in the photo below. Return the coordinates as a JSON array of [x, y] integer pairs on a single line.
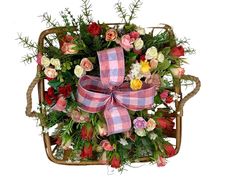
[[109, 94]]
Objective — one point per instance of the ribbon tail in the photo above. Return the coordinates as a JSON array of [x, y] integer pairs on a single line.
[[117, 119]]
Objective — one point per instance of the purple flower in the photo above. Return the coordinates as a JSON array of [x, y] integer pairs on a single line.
[[139, 123]]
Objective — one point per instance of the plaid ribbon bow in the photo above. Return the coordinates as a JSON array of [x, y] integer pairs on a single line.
[[109, 94]]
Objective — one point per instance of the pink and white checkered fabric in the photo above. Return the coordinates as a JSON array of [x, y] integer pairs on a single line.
[[109, 94]]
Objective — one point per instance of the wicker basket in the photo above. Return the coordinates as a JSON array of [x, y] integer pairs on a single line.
[[49, 142]]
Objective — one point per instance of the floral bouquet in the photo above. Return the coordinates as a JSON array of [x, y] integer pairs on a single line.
[[108, 93]]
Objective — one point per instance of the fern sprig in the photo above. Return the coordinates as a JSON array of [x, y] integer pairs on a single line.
[[86, 10], [122, 13], [50, 22], [133, 8]]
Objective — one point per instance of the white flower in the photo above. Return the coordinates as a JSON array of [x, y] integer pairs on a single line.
[[140, 132], [135, 71], [79, 71], [150, 112], [160, 57], [152, 136], [45, 61], [123, 142], [140, 30], [151, 53], [56, 63], [139, 43]]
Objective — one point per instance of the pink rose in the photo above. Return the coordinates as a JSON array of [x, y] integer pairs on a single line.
[[126, 42], [161, 161], [50, 72], [111, 35], [154, 79], [134, 35], [69, 48], [153, 63], [39, 58], [177, 72], [164, 94], [105, 144], [86, 64], [60, 104]]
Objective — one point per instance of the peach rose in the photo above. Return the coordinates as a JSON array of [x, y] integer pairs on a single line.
[[105, 144], [125, 42], [151, 124], [111, 35], [76, 115], [177, 72], [86, 64], [69, 48], [153, 64], [60, 104], [50, 72]]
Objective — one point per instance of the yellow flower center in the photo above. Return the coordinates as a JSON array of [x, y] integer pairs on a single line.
[[136, 84], [145, 67]]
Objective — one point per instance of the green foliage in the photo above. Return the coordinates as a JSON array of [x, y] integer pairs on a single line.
[[122, 12], [86, 10], [53, 118], [50, 22], [30, 45]]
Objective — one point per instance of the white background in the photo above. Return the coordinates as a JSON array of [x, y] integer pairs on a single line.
[[207, 156]]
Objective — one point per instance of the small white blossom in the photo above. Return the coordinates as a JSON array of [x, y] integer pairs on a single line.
[[140, 30], [152, 136], [150, 112], [123, 142]]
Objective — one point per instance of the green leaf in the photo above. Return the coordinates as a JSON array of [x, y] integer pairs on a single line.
[[166, 51], [164, 65], [54, 83]]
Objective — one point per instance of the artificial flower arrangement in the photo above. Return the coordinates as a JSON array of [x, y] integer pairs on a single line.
[[108, 93]]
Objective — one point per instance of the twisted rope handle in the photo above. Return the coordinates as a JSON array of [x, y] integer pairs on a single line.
[[190, 95], [28, 110]]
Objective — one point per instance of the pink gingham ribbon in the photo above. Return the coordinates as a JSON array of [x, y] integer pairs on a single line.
[[109, 94]]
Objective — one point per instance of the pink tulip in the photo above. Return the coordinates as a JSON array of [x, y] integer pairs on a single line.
[[161, 161], [60, 104]]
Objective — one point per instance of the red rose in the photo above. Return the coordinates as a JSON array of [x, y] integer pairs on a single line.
[[87, 151], [66, 39], [177, 51], [169, 99], [142, 58], [65, 90], [116, 162], [165, 123], [51, 92], [48, 100], [86, 132], [134, 35], [94, 29], [170, 150]]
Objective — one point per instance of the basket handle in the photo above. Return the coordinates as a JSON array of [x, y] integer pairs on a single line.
[[28, 110], [189, 95]]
